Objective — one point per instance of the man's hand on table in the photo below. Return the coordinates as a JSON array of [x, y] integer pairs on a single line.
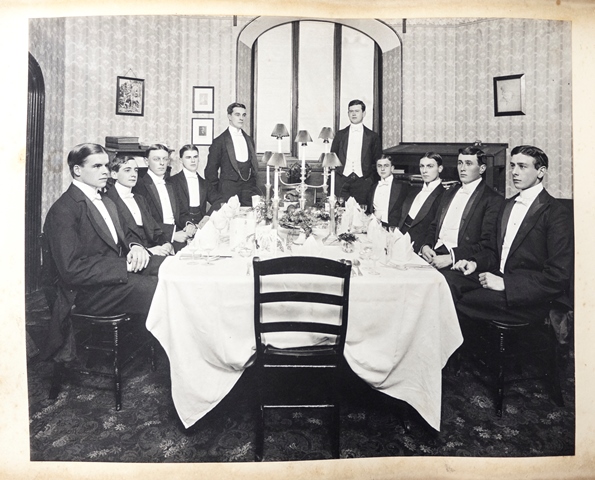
[[137, 259]]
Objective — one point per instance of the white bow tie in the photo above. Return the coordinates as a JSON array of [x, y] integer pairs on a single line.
[[126, 196], [160, 182], [357, 129], [97, 197], [384, 182], [523, 201]]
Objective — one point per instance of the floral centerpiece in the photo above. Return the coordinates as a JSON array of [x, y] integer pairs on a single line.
[[295, 218], [294, 172], [347, 241], [264, 211]]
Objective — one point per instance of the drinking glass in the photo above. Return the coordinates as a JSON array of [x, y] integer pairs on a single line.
[[245, 250], [208, 243]]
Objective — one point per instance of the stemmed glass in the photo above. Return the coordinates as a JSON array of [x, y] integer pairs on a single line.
[[219, 222], [245, 250], [366, 253], [208, 243], [193, 248]]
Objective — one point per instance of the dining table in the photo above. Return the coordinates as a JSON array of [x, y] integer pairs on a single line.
[[402, 326]]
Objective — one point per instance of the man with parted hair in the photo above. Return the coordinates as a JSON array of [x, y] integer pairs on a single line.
[[232, 166], [465, 221], [528, 262], [94, 263], [193, 193], [419, 207], [358, 148], [385, 199]]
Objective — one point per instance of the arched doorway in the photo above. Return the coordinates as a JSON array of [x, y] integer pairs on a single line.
[[34, 175]]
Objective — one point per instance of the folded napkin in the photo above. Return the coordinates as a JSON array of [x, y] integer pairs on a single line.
[[227, 211], [310, 248], [219, 220], [234, 204], [206, 239], [400, 247], [240, 228], [354, 213], [255, 200], [378, 237]]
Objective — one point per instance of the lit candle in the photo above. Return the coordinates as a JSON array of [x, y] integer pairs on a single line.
[[333, 183], [268, 175], [303, 152], [276, 183], [324, 178], [279, 140]]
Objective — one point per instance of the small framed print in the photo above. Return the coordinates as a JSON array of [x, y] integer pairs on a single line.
[[202, 99], [130, 96], [509, 95], [202, 131]]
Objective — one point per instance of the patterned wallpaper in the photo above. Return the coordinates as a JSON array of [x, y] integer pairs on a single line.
[[446, 83], [448, 72]]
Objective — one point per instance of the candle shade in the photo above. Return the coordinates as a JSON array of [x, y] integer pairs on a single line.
[[280, 131], [277, 160], [331, 160], [267, 156], [326, 134], [303, 137]]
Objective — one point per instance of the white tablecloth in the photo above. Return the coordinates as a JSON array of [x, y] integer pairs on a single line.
[[402, 329]]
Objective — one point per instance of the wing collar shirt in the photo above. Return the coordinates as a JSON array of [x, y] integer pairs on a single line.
[[128, 198], [353, 160], [239, 144], [519, 210], [92, 194], [422, 196], [193, 188], [168, 212], [449, 233], [381, 198]]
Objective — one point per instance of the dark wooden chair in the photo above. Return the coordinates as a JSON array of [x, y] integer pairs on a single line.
[[302, 376], [104, 344], [505, 347]]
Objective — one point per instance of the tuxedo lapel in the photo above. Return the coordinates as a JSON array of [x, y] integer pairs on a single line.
[[99, 224], [202, 191], [153, 195], [172, 199], [448, 196], [535, 211], [504, 222], [366, 139], [251, 152], [395, 189], [427, 205], [469, 208], [231, 153], [407, 206], [113, 213]]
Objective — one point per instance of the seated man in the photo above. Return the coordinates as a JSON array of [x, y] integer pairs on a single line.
[[138, 224], [419, 208], [192, 192], [385, 198], [94, 262], [529, 261], [159, 195], [465, 221]]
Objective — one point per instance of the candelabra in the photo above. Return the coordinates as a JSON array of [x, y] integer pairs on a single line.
[[277, 160]]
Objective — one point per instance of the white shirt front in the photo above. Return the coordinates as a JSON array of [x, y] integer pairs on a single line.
[[193, 188], [239, 144], [517, 215], [422, 196], [167, 210], [449, 233], [381, 198], [353, 160], [128, 198], [92, 194]]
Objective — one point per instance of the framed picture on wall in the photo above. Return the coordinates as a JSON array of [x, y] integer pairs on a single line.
[[202, 99], [509, 95], [130, 96], [202, 131]]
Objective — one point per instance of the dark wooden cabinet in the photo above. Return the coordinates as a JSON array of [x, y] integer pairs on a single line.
[[406, 156]]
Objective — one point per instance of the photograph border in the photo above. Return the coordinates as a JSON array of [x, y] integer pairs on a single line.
[[519, 95], [120, 111], [210, 108], [196, 138]]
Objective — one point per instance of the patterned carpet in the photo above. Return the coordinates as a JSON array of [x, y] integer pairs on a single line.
[[82, 424]]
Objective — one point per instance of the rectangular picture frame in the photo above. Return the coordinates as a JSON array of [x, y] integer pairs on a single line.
[[202, 131], [203, 99], [130, 96], [509, 95]]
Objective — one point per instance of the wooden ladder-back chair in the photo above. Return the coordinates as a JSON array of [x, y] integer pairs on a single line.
[[286, 374], [104, 344]]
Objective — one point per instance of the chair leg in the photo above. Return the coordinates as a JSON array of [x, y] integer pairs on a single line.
[[500, 382], [56, 380], [117, 370], [259, 443]]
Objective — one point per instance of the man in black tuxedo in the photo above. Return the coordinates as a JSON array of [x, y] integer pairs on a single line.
[[137, 223], [232, 166], [419, 208], [95, 265], [358, 148], [528, 263], [160, 196], [465, 221], [193, 193], [385, 199]]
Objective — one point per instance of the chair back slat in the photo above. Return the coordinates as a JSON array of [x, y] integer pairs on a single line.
[[301, 266]]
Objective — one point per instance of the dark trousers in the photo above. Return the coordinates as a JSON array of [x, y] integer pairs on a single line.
[[481, 304], [243, 189], [354, 186]]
